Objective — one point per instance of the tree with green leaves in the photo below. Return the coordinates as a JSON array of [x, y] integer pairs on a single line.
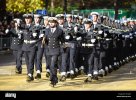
[[24, 6]]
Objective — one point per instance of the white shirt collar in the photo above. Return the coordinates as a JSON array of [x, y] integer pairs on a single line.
[[61, 26], [47, 26], [94, 23], [88, 30], [28, 24], [37, 24], [53, 29]]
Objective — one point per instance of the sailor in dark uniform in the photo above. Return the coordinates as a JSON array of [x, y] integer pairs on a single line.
[[39, 50], [63, 68], [86, 53], [79, 27], [53, 38], [45, 27], [70, 42], [96, 27], [29, 45], [16, 45]]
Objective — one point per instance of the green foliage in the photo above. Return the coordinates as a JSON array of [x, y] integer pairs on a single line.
[[56, 10], [24, 6], [73, 7]]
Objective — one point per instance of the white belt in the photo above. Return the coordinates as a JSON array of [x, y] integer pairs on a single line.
[[88, 45], [30, 42], [74, 36], [107, 39], [83, 44], [67, 43]]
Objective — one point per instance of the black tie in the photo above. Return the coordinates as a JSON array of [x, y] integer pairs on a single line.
[[51, 30]]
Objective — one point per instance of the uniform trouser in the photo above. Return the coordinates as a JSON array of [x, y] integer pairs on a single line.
[[91, 63], [96, 60], [77, 58], [72, 59], [83, 61], [68, 55], [127, 48], [18, 57], [109, 53], [119, 56], [47, 60], [124, 49], [29, 58], [119, 49], [102, 60], [38, 58], [133, 48], [114, 55], [59, 62], [65, 60], [109, 57], [53, 68], [84, 58]]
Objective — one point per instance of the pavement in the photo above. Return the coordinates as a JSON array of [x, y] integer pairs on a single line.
[[122, 79]]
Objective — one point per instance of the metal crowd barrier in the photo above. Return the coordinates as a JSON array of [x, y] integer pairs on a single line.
[[5, 42]]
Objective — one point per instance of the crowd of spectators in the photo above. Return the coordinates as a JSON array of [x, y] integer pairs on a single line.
[[5, 22]]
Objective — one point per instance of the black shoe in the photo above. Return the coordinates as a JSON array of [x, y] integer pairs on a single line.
[[77, 74], [82, 72], [88, 79], [68, 75], [115, 67], [38, 76], [100, 75], [95, 77], [72, 76], [47, 74], [18, 71], [52, 84], [29, 79], [110, 70], [63, 78], [54, 81], [105, 73]]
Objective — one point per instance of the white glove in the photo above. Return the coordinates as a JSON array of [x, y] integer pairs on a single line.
[[131, 37], [6, 31], [123, 36], [67, 37], [41, 35], [34, 34], [105, 34], [98, 37], [19, 36], [100, 32], [79, 38], [75, 29], [126, 36], [20, 32], [93, 40]]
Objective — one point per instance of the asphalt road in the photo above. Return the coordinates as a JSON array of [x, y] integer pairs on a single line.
[[122, 79]]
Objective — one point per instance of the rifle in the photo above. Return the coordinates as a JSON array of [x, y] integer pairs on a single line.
[[43, 41]]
